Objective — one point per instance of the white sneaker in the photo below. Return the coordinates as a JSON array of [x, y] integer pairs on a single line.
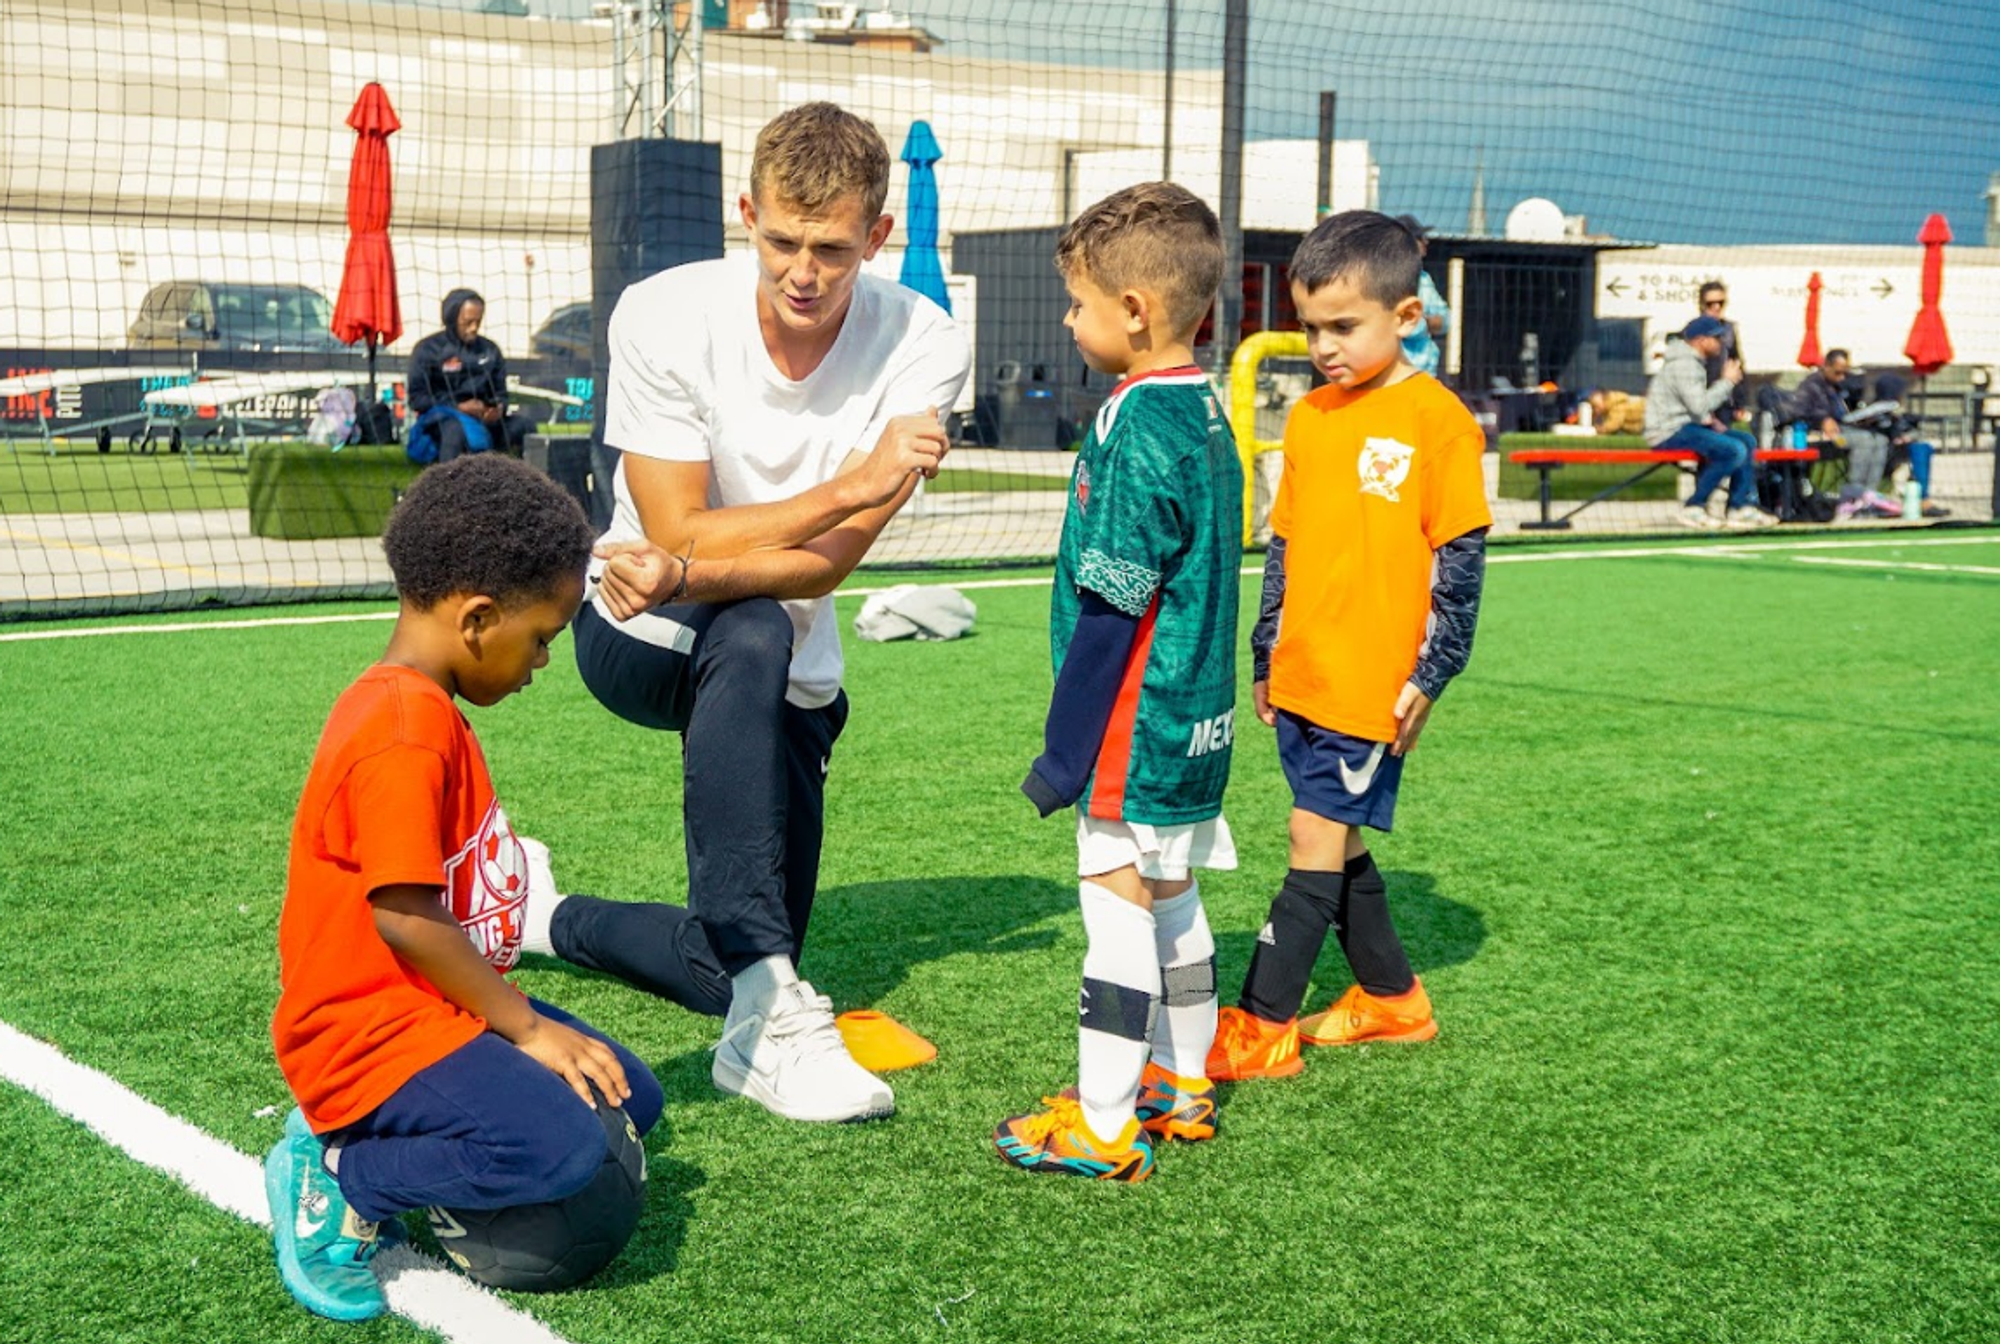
[[1749, 516], [1698, 517], [790, 1059], [543, 898]]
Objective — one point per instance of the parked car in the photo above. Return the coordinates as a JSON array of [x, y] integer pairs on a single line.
[[215, 315], [566, 335]]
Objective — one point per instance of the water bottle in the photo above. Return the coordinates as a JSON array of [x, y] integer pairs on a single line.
[[1913, 500], [1798, 433]]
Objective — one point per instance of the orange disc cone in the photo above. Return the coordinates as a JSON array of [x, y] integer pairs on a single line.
[[881, 1044]]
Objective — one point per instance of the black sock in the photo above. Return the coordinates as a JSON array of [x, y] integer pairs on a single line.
[[1368, 936], [1308, 904]]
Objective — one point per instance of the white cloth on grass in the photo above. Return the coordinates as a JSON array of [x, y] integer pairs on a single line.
[[913, 611]]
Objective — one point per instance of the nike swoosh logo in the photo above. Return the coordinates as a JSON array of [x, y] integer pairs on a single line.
[[308, 1226], [1356, 782]]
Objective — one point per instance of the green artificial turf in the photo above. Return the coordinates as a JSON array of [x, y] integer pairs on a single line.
[[980, 478], [1696, 861], [78, 479]]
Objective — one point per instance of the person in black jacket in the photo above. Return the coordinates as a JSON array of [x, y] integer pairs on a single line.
[[457, 388]]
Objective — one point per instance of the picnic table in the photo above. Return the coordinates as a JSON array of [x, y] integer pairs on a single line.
[[1547, 461]]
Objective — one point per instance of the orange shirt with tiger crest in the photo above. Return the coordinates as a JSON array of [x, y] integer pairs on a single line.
[[1374, 482]]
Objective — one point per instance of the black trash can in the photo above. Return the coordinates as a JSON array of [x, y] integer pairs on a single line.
[[1024, 406]]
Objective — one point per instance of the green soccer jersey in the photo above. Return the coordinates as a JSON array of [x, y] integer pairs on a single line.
[[1154, 527]]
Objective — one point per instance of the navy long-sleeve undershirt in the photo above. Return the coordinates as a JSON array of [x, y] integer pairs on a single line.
[[1455, 593], [1080, 709]]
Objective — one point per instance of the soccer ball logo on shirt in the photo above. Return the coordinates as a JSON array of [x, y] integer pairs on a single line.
[[486, 889], [1384, 465], [1082, 484]]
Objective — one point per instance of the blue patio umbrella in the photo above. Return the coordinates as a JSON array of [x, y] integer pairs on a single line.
[[922, 271]]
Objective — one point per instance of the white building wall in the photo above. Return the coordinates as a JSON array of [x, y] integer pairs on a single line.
[[183, 139], [1868, 299], [1280, 177]]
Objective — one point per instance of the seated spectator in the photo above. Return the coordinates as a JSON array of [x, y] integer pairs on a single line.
[[457, 388], [1821, 402], [1680, 414], [1886, 416], [1713, 299], [1617, 412]]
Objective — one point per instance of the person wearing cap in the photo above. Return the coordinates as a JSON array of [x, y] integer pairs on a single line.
[[1420, 347], [1713, 301], [1680, 402]]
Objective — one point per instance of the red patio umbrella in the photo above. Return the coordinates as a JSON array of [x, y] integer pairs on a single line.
[[1929, 346], [367, 308], [1809, 353]]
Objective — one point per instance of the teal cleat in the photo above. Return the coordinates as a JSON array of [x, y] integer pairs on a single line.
[[1173, 1107], [324, 1247], [1057, 1142]]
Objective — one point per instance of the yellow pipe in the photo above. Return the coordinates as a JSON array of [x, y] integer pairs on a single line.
[[1243, 403]]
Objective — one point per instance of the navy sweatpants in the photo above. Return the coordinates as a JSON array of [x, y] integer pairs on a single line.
[[486, 1127], [753, 799]]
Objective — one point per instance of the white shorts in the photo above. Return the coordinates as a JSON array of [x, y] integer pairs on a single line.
[[1161, 853]]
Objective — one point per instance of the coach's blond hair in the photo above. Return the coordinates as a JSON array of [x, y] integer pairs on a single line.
[[815, 154], [1155, 236]]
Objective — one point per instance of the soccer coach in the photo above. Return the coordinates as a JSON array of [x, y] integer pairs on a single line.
[[773, 412]]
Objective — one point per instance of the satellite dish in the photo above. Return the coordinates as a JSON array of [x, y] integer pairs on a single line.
[[1535, 220]]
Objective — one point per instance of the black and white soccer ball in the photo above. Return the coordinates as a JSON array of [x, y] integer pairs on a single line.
[[544, 1248]]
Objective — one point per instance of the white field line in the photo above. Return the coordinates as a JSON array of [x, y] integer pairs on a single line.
[[418, 1287], [1860, 562], [1721, 550]]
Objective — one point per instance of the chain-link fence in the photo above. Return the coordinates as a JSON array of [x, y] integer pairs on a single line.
[[200, 405]]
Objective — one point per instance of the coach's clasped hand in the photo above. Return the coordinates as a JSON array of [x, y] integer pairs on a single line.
[[639, 575]]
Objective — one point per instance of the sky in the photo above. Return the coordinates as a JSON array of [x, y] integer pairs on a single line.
[[1774, 122]]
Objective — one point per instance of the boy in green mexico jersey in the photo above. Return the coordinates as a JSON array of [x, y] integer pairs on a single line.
[[1139, 729]]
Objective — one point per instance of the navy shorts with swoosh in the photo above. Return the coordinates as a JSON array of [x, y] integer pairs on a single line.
[[1341, 778]]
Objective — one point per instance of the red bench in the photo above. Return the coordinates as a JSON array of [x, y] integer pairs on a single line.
[[1547, 461]]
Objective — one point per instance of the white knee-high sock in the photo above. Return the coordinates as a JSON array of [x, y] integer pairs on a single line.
[[1121, 992], [1186, 1026]]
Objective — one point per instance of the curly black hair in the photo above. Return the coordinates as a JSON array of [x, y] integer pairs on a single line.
[[485, 524]]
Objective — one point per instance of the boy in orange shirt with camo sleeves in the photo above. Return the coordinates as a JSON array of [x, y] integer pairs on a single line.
[[422, 1076], [1371, 593]]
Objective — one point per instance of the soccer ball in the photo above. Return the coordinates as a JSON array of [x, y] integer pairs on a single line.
[[544, 1248]]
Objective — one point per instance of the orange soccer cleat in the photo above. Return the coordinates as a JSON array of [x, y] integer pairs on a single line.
[[1173, 1107], [1059, 1142], [1246, 1046], [1358, 1017]]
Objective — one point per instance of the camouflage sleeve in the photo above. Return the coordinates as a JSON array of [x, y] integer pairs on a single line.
[[1461, 574], [1264, 634]]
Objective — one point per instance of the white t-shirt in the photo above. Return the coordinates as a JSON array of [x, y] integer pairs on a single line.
[[691, 381]]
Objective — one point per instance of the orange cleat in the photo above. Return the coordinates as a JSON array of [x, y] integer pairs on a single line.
[[1358, 1017], [1059, 1142], [1246, 1046], [1173, 1107]]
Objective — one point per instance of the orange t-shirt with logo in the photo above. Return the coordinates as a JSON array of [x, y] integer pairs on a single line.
[[1374, 482], [398, 794]]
